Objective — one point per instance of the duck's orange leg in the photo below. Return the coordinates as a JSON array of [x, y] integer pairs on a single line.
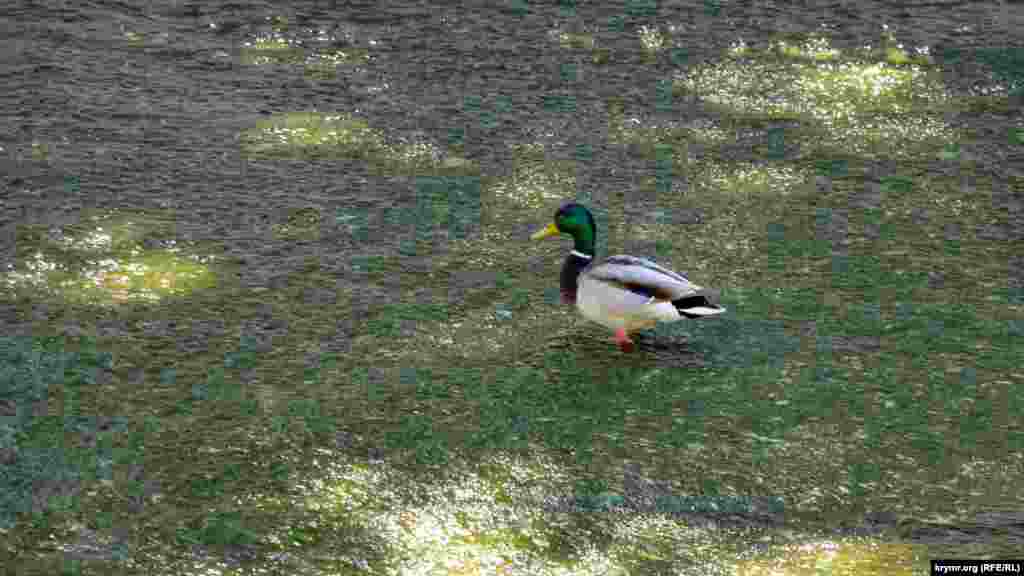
[[622, 339]]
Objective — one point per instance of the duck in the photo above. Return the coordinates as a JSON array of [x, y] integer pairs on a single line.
[[624, 293]]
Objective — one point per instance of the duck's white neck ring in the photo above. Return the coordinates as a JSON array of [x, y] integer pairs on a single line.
[[581, 255]]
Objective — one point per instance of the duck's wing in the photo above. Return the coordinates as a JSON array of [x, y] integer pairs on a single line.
[[642, 276]]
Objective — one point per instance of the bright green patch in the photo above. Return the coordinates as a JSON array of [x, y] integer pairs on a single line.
[[106, 263], [1017, 136], [271, 50], [843, 103], [317, 135], [571, 41], [309, 133], [846, 557], [896, 56], [301, 48]]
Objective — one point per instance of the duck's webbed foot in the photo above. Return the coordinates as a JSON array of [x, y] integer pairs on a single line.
[[622, 339]]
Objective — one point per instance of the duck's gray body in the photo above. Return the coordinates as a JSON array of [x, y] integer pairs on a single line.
[[631, 293]]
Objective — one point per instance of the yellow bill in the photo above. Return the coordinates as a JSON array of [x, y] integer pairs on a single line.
[[551, 230]]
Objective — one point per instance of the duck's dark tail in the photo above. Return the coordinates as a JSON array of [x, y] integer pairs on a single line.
[[697, 306]]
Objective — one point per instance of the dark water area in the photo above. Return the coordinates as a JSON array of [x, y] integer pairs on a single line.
[[139, 105], [142, 103]]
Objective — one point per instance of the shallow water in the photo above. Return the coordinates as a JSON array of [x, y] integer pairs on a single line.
[[140, 107]]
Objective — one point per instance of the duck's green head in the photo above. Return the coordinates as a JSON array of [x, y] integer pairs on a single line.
[[575, 220]]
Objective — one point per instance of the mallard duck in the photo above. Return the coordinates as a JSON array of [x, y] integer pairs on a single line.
[[624, 293]]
